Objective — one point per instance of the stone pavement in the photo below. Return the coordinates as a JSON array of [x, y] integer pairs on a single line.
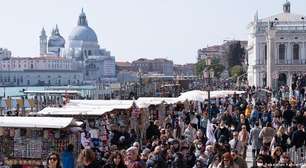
[[249, 159]]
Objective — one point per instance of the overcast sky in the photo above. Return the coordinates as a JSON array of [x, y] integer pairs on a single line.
[[130, 29]]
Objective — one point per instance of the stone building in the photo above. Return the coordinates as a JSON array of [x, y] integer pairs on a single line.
[[157, 66], [276, 49]]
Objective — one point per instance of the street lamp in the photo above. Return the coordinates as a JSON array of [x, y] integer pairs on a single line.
[[208, 74]]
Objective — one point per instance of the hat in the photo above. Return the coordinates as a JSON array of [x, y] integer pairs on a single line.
[[227, 156]]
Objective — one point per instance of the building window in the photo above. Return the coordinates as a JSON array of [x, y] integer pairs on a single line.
[[89, 52], [28, 82], [281, 52], [296, 50]]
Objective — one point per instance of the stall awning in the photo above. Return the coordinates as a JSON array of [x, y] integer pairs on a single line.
[[116, 104], [144, 102], [37, 122], [198, 95], [74, 111]]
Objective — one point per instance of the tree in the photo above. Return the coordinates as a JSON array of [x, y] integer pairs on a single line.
[[200, 66], [236, 70], [215, 66], [236, 54]]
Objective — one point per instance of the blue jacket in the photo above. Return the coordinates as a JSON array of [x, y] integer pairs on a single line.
[[67, 159]]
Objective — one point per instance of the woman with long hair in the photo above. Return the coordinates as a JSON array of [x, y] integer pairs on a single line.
[[53, 160], [116, 160], [280, 139], [87, 159]]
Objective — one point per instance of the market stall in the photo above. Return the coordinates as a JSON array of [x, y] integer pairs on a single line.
[[26, 141]]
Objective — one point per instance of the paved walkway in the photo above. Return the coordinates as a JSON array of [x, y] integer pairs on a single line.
[[249, 157]]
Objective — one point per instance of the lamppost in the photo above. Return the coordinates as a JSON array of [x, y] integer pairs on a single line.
[[208, 74]]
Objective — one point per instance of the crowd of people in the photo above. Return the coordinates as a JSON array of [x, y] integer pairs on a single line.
[[215, 138]]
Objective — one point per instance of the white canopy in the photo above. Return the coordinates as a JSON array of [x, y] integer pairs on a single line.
[[115, 104], [194, 95], [198, 95], [37, 122], [223, 93], [74, 111], [144, 102]]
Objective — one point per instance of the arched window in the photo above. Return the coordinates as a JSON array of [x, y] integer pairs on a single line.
[[281, 51], [296, 51]]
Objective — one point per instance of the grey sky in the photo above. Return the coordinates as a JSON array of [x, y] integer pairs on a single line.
[[131, 29]]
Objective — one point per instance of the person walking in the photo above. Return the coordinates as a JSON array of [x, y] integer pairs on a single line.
[[235, 143], [254, 141], [267, 134], [244, 138], [67, 157]]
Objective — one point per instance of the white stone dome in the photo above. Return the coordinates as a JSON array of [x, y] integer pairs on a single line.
[[83, 33]]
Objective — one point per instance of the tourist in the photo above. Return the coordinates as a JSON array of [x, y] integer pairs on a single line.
[[227, 161], [115, 161], [254, 141], [238, 160], [237, 144], [280, 139], [267, 134], [299, 137], [276, 154], [53, 160], [67, 157], [132, 159], [244, 138], [87, 159]]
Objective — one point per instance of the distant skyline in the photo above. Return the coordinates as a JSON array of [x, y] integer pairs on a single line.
[[132, 29]]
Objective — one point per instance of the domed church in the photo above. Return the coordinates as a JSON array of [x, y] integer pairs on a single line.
[[83, 48]]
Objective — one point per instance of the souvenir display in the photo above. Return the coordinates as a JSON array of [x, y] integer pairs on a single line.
[[29, 147]]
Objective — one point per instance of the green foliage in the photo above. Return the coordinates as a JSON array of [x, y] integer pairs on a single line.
[[215, 66], [236, 70], [200, 66], [236, 54]]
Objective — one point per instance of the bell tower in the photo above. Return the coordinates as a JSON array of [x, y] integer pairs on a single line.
[[43, 42]]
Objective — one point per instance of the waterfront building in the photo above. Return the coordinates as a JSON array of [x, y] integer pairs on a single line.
[[157, 66], [184, 70], [220, 52], [84, 48], [39, 71], [276, 49], [83, 61]]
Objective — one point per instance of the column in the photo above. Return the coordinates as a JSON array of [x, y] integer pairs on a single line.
[[289, 81], [303, 53], [276, 53], [270, 56], [288, 54]]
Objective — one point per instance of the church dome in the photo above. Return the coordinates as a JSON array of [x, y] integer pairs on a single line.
[[56, 40], [83, 32]]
